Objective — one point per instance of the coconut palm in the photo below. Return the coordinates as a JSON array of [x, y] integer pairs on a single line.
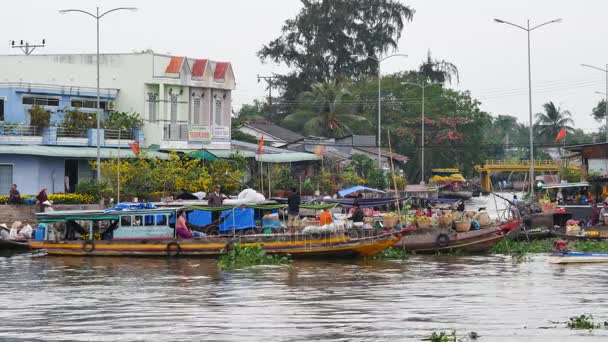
[[438, 70], [549, 123], [323, 111]]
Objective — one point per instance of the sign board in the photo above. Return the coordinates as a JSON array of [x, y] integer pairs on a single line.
[[199, 134], [221, 133]]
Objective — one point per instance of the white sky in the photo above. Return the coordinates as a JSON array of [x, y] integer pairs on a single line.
[[491, 57]]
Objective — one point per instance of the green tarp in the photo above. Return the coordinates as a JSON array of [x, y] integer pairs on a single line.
[[263, 207]]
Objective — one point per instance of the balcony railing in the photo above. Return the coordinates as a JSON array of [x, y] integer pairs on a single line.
[[20, 131], [64, 132], [125, 134]]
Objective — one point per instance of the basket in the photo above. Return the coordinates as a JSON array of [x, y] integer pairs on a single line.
[[423, 224], [483, 218], [390, 222], [445, 222], [462, 226], [549, 208]]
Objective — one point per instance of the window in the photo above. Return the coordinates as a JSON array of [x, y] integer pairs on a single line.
[[173, 108], [196, 110], [152, 99], [40, 101], [6, 178], [1, 109], [218, 113], [80, 103]]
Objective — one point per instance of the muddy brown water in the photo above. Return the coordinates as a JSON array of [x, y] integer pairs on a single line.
[[111, 299]]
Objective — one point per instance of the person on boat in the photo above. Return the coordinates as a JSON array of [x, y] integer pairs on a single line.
[[14, 197], [4, 232], [559, 198], [216, 199], [603, 213], [41, 198], [357, 214], [326, 218], [293, 209], [182, 229], [460, 206], [561, 246]]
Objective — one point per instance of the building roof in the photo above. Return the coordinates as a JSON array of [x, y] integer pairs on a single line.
[[175, 65], [577, 148], [220, 70], [198, 68], [75, 152], [384, 153], [269, 154], [281, 133]]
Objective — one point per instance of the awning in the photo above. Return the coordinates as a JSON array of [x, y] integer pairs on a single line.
[[203, 155], [564, 185], [290, 157], [76, 152], [354, 189]]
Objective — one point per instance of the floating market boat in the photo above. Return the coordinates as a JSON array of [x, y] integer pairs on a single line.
[[11, 246], [450, 183], [151, 232], [577, 257], [432, 240]]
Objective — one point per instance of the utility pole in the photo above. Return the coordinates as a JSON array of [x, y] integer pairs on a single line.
[[26, 47], [270, 81]]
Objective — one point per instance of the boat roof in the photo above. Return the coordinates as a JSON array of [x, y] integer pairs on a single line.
[[356, 188], [564, 185], [97, 215]]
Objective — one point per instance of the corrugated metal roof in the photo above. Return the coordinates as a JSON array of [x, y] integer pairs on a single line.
[[286, 157], [75, 152]]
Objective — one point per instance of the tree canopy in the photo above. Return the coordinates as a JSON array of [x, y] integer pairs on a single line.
[[549, 123]]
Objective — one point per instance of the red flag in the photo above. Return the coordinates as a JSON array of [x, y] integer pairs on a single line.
[[561, 135], [135, 147], [260, 145]]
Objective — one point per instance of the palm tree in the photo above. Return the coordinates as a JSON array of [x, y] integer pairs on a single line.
[[438, 70], [323, 111], [549, 123]]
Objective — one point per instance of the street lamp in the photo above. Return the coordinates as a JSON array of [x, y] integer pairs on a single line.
[[528, 30], [605, 94], [379, 60], [97, 17], [422, 86]]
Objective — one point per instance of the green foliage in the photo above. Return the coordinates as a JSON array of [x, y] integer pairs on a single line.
[[39, 117], [251, 112], [319, 43], [282, 178], [307, 185], [451, 337], [549, 123], [438, 70], [582, 322], [74, 119], [570, 174], [350, 177], [92, 188], [367, 169], [124, 120], [599, 111], [240, 136], [242, 257], [546, 246], [392, 253]]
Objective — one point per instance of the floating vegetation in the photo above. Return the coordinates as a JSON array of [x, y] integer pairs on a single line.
[[392, 253], [583, 322], [547, 246], [451, 337], [242, 257]]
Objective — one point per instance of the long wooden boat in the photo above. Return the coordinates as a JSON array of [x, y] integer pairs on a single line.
[[577, 257], [150, 233], [599, 235], [432, 240], [11, 247]]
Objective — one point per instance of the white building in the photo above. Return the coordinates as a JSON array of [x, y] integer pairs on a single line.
[[185, 102]]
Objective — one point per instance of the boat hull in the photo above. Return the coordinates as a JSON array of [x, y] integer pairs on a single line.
[[296, 246], [13, 246], [426, 240], [456, 194], [577, 257]]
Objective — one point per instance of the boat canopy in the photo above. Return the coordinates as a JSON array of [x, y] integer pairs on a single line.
[[564, 185], [96, 215], [348, 191]]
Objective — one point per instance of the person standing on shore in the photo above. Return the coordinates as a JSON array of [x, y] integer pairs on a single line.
[[293, 210], [215, 199], [42, 199]]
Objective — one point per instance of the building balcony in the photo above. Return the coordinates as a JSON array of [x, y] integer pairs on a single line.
[[31, 135]]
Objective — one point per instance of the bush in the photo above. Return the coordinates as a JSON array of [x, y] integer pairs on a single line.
[[59, 198], [39, 117], [124, 120], [92, 188], [241, 257]]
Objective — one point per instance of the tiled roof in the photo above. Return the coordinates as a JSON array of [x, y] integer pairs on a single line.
[[276, 131], [198, 68], [220, 70], [175, 65], [384, 153]]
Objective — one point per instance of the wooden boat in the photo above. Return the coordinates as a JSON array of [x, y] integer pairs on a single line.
[[595, 233], [577, 257], [150, 233], [432, 240], [8, 247]]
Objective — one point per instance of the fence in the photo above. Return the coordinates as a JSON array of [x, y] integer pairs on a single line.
[[19, 130]]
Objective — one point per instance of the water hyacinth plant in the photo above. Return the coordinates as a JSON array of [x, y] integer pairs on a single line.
[[242, 257]]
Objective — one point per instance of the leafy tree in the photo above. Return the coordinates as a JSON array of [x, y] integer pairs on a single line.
[[318, 44], [323, 111], [76, 120], [251, 112], [599, 111], [124, 120], [438, 70], [39, 117], [549, 123]]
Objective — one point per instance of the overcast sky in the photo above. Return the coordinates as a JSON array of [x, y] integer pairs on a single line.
[[491, 57]]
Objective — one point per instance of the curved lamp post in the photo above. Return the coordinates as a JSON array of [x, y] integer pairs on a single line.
[[97, 16], [605, 94]]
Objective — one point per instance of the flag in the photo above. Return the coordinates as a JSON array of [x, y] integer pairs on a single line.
[[561, 135], [319, 150], [260, 145], [135, 147]]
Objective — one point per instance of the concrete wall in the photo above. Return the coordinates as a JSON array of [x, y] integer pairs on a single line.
[[31, 173], [27, 213]]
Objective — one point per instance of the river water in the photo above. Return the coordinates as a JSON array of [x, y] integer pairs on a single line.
[[111, 299], [131, 299]]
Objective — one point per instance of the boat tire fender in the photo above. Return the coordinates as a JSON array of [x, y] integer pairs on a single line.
[[88, 246], [173, 249], [443, 240]]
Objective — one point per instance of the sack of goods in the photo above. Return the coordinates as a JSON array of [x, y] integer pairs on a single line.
[[319, 229]]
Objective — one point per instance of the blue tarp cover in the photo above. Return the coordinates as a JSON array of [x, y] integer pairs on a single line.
[[353, 189], [242, 219]]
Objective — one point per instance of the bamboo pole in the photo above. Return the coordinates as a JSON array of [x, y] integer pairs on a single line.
[[390, 149]]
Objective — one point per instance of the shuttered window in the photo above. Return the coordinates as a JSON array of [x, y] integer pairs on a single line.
[[6, 178]]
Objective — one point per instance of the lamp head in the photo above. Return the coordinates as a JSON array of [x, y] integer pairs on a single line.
[[498, 21]]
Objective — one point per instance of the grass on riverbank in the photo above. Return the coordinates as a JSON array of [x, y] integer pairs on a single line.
[[242, 257]]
